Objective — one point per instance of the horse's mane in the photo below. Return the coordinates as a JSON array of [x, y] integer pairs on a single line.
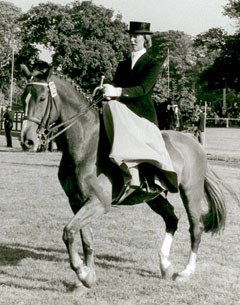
[[42, 71], [77, 87]]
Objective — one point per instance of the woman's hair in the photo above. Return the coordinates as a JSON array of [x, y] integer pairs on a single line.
[[148, 41]]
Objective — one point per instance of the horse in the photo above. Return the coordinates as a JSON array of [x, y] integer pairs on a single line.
[[90, 180]]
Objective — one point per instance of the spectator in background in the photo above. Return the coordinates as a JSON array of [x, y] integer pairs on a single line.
[[165, 114], [199, 124], [8, 117]]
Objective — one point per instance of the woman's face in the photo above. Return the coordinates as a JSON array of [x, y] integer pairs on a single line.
[[137, 42]]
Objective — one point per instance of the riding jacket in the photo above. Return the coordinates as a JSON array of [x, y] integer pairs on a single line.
[[137, 85]]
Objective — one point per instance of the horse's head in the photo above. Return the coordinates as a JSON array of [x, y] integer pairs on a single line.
[[37, 98]]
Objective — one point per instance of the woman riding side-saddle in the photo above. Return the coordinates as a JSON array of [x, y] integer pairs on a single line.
[[130, 119]]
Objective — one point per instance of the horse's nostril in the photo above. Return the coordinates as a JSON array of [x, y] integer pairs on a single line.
[[29, 143]]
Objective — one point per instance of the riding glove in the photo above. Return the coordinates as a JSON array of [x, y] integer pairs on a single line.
[[111, 91]]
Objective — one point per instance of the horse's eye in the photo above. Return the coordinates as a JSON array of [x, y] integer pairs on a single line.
[[42, 98]]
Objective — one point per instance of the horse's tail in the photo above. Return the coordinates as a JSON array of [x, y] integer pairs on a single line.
[[214, 220]]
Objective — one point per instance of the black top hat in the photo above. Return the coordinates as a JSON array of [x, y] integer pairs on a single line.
[[136, 27]]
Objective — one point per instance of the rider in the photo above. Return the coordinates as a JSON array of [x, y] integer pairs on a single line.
[[130, 117]]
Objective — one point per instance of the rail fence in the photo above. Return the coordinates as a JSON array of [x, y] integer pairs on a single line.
[[222, 122], [210, 122], [17, 123]]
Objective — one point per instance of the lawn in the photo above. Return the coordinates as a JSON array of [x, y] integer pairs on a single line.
[[34, 266]]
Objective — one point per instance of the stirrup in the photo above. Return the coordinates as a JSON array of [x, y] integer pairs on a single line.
[[126, 191]]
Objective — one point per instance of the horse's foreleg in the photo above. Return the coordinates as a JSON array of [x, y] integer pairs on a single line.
[[88, 213], [162, 206], [87, 244]]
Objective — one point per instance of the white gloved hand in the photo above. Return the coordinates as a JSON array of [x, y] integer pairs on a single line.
[[110, 91]]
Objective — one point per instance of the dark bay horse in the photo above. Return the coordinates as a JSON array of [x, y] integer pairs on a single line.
[[89, 182]]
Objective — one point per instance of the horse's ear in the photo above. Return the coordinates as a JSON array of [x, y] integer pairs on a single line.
[[46, 73], [50, 72], [26, 71]]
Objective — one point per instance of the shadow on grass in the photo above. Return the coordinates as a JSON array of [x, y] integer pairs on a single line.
[[13, 254], [30, 164], [13, 280], [109, 262], [27, 287]]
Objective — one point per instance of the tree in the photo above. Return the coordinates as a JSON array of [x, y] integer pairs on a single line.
[[208, 47], [88, 40], [182, 60], [232, 10], [222, 75], [9, 38]]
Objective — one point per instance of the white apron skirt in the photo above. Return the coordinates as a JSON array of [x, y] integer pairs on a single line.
[[136, 140]]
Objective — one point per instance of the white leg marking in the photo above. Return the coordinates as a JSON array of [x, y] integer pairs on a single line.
[[191, 266], [165, 251]]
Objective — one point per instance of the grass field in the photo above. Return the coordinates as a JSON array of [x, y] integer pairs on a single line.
[[34, 267]]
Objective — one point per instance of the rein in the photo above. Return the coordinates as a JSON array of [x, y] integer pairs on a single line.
[[44, 129]]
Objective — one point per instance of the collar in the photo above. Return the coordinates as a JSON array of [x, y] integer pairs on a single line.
[[136, 55]]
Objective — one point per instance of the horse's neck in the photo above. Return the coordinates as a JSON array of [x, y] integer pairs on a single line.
[[81, 139], [71, 101]]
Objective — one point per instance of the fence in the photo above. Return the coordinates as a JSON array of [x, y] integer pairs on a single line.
[[210, 122], [222, 122], [17, 123]]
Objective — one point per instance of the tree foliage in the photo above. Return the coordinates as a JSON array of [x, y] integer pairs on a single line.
[[9, 37], [88, 40], [181, 56], [178, 86], [232, 9], [222, 73], [208, 47]]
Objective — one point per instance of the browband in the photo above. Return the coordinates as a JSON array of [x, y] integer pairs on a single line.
[[38, 83]]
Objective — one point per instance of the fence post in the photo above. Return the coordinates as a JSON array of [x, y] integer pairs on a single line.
[[205, 123]]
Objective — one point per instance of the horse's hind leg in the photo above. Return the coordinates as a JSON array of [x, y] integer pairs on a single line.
[[161, 206], [192, 198]]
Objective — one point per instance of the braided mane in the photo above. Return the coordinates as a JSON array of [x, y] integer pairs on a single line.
[[75, 85]]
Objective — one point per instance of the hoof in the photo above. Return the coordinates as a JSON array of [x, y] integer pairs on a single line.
[[167, 273], [80, 290], [87, 277], [181, 277]]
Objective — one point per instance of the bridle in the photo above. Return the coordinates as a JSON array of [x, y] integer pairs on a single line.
[[47, 130]]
